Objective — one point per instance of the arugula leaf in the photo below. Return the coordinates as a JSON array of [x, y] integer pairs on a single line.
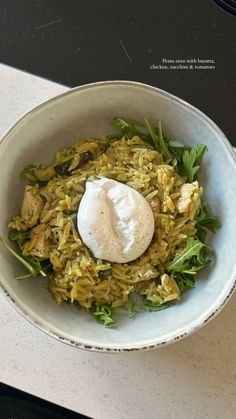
[[189, 168], [176, 149], [126, 126], [184, 281], [42, 266], [131, 306], [191, 160], [129, 127], [176, 144], [103, 314], [201, 233], [200, 151], [206, 219], [158, 140], [21, 259], [153, 135], [143, 305], [192, 258], [150, 306], [21, 237], [163, 145], [31, 263], [186, 160]]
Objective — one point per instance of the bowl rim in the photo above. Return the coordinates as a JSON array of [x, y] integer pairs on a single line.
[[134, 347]]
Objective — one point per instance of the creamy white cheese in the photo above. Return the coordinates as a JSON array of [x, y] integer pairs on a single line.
[[114, 221]]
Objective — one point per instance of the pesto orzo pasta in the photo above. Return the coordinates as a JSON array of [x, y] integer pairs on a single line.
[[165, 173]]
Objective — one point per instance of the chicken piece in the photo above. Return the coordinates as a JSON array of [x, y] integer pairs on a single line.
[[17, 224], [189, 199], [166, 291], [32, 206], [150, 274], [38, 245], [169, 286]]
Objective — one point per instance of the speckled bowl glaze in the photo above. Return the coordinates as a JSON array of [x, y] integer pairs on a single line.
[[88, 111]]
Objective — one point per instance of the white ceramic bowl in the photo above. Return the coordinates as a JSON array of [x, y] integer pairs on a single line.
[[88, 111]]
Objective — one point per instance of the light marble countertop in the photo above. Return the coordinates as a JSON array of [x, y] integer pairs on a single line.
[[194, 378]]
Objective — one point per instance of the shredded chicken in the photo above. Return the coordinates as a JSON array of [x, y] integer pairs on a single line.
[[17, 224], [169, 285], [150, 273], [32, 206], [38, 245], [168, 290], [189, 199]]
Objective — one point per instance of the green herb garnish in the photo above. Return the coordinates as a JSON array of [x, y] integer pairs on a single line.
[[190, 162], [206, 219], [103, 314], [186, 160], [21, 237], [158, 140], [192, 258], [128, 127], [143, 304], [31, 263], [184, 281], [150, 306]]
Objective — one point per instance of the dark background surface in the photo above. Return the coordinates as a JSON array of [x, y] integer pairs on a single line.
[[80, 41], [15, 404]]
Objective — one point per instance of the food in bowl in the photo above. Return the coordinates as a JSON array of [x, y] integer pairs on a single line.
[[116, 223]]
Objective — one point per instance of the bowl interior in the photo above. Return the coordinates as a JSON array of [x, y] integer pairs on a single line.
[[88, 111]]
